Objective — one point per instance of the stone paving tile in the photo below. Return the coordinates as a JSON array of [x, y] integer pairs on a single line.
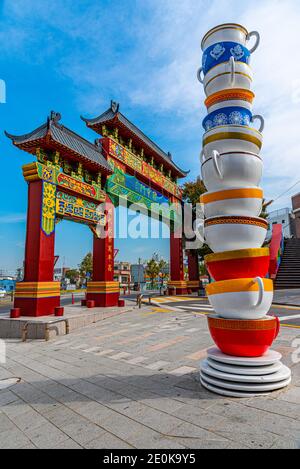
[[122, 403], [5, 423], [137, 360], [82, 431], [107, 441], [183, 370], [6, 397], [121, 356], [157, 365], [12, 439], [46, 436], [105, 352], [197, 355]]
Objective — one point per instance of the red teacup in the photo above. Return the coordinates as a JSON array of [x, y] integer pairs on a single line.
[[244, 338], [244, 263]]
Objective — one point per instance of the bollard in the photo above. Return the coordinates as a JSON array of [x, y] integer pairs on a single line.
[[59, 311], [139, 300], [73, 299], [15, 313]]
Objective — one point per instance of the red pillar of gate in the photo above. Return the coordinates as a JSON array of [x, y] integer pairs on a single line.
[[177, 285], [193, 270], [103, 290], [37, 294]]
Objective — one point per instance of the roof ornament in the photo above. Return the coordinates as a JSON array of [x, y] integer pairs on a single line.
[[170, 156], [54, 117], [114, 106], [98, 142]]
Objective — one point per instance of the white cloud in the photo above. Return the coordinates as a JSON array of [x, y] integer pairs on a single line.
[[11, 218], [147, 53]]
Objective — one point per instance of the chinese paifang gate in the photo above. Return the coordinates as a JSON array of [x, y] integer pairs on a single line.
[[70, 179]]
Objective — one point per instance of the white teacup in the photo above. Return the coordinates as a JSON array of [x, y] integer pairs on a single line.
[[226, 75], [246, 200], [232, 138], [230, 97], [230, 233], [230, 32], [230, 170], [244, 298]]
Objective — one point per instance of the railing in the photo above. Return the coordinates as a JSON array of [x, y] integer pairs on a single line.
[[47, 328]]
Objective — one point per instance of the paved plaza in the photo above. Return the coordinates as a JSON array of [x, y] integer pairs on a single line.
[[132, 381]]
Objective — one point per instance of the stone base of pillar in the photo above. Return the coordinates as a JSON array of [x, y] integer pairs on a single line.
[[177, 287], [193, 285], [37, 299], [104, 294]]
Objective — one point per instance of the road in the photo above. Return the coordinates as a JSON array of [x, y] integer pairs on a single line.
[[289, 315], [65, 300]]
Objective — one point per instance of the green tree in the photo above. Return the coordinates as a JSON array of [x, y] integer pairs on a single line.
[[191, 194], [264, 212], [86, 265], [152, 270], [192, 191], [163, 270], [73, 275]]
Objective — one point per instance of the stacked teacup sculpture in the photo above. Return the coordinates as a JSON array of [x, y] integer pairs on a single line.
[[240, 295]]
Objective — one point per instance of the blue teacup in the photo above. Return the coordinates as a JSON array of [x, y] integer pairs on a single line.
[[221, 52], [232, 115]]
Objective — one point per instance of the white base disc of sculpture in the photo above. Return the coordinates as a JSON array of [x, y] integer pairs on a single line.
[[242, 376], [240, 370], [242, 386], [268, 358], [282, 374], [230, 393]]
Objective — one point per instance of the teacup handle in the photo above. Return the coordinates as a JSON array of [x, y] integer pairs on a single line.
[[232, 70], [262, 121], [257, 36], [261, 290], [277, 326], [215, 156], [199, 75]]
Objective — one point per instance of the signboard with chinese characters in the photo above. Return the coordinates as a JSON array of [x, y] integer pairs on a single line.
[[123, 186], [80, 209], [53, 174], [137, 164]]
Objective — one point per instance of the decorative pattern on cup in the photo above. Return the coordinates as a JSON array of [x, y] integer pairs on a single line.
[[229, 233], [246, 200], [243, 263], [235, 94], [231, 116], [246, 298], [230, 32], [242, 337], [229, 138], [221, 52]]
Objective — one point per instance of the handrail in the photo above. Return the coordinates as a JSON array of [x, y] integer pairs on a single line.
[[47, 330]]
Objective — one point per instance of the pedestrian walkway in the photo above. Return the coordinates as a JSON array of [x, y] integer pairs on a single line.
[[132, 381]]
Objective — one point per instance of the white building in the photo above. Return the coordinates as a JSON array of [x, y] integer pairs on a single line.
[[283, 217]]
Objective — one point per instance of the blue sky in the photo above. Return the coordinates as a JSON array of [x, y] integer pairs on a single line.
[[74, 57]]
